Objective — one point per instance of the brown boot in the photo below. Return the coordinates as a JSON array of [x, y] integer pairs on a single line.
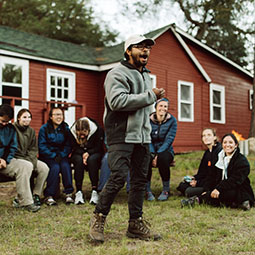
[[96, 230], [139, 228]]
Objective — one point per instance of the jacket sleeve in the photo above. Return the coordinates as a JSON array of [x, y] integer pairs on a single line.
[[98, 142], [13, 145], [45, 149], [68, 145], [33, 149], [169, 138], [119, 96], [238, 173], [203, 169]]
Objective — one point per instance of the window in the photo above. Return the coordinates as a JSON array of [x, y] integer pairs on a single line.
[[185, 101], [251, 98], [14, 80], [61, 88], [217, 104]]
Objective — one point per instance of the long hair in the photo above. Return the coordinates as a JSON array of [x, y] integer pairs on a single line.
[[21, 111]]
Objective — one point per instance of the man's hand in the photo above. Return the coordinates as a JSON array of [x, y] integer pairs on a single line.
[[85, 158], [215, 193], [2, 163], [155, 161], [160, 93], [193, 183]]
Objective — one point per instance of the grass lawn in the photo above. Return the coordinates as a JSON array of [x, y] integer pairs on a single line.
[[63, 229]]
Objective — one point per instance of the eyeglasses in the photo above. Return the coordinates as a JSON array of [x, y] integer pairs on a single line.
[[142, 46], [57, 114]]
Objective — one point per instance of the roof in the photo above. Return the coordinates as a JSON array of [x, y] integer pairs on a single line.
[[22, 44]]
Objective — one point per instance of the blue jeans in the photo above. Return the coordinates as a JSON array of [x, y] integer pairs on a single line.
[[53, 177]]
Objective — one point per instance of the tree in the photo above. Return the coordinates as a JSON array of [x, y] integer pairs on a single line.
[[69, 20]]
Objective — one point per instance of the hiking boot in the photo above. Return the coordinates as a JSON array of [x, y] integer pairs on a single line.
[[31, 208], [150, 196], [94, 197], [96, 231], [190, 202], [245, 205], [37, 200], [163, 196], [69, 199], [50, 201], [139, 228], [79, 198]]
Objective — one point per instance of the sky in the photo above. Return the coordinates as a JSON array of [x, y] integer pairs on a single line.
[[109, 12]]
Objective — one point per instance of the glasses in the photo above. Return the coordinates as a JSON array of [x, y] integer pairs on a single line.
[[57, 114], [142, 46]]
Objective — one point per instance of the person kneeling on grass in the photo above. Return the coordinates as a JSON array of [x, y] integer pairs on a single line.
[[228, 183]]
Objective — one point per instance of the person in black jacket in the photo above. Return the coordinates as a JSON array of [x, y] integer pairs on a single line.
[[229, 184], [88, 150], [193, 185]]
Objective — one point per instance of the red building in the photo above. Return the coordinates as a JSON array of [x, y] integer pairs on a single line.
[[205, 88]]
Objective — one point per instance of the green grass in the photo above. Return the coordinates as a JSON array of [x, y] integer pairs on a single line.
[[64, 229]]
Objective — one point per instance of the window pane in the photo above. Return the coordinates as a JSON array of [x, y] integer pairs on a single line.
[[52, 80], [12, 73], [185, 92], [59, 81], [66, 82], [52, 92], [217, 113], [216, 97], [12, 92], [59, 93], [186, 111], [65, 94]]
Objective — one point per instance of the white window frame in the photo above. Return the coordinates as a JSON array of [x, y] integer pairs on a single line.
[[70, 113], [191, 101], [24, 82], [221, 89], [250, 98], [153, 80]]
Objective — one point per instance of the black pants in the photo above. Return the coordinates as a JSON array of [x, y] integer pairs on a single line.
[[93, 166], [121, 159], [165, 158]]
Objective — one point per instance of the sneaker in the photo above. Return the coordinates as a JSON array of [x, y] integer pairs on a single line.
[[139, 228], [79, 198], [190, 202], [96, 231], [150, 196], [15, 203], [163, 196], [69, 199], [245, 205], [50, 201], [37, 200], [31, 208], [94, 198]]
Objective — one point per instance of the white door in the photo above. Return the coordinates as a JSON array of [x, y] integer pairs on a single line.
[[14, 81], [61, 87]]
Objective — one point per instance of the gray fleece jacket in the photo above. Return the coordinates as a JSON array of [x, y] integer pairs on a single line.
[[128, 97]]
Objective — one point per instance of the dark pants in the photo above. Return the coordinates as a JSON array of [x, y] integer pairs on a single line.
[[121, 159], [62, 167], [93, 165], [193, 191], [165, 158]]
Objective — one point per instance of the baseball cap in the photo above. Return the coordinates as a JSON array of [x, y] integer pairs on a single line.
[[135, 39]]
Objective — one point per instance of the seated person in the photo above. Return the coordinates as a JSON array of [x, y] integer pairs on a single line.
[[26, 154], [88, 150], [228, 182], [164, 126], [10, 166], [194, 185], [54, 142]]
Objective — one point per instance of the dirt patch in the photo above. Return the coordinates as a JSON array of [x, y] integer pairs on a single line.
[[7, 191]]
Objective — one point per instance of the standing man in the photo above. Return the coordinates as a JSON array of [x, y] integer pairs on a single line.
[[128, 97]]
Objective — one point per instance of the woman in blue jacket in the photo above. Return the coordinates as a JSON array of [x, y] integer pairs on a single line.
[[54, 143], [164, 127]]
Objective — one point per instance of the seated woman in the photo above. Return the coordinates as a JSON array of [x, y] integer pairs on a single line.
[[26, 154], [54, 143], [228, 183], [88, 150], [164, 126], [194, 185]]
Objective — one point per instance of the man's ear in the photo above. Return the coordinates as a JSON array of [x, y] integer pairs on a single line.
[[128, 52]]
